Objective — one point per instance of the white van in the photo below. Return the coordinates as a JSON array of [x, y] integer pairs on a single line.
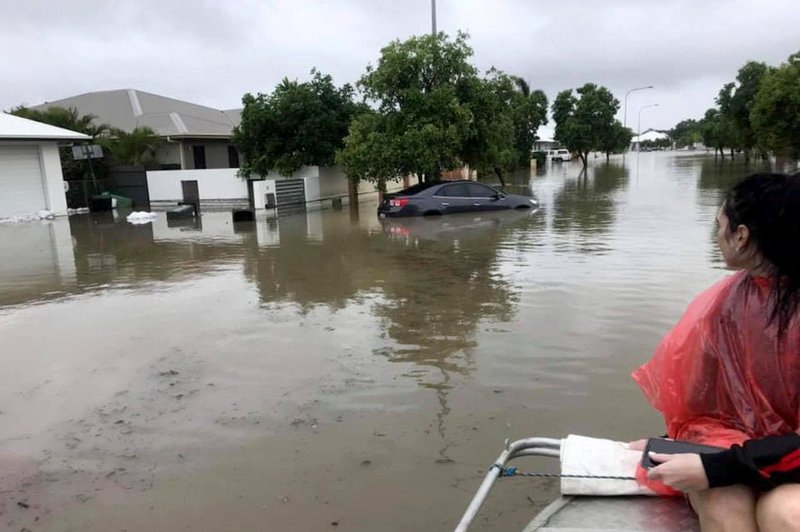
[[559, 155]]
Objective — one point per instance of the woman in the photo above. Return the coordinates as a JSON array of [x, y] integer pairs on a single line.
[[728, 374]]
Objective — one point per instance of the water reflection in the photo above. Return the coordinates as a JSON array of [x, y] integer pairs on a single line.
[[585, 208]]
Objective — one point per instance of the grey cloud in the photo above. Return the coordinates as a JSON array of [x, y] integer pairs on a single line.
[[212, 52]]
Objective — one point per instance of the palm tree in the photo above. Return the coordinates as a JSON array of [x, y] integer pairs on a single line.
[[135, 148], [522, 86]]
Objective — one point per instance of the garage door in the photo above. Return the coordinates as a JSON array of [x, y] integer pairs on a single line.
[[21, 184]]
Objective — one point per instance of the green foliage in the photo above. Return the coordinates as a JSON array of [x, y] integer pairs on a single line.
[[739, 106], [529, 112], [687, 132], [297, 124], [367, 154], [775, 114], [137, 148], [758, 112], [490, 146], [616, 139], [656, 144], [585, 122], [418, 88], [712, 130], [432, 112], [67, 118]]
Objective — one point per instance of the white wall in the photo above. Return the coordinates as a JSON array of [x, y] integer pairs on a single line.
[[212, 184], [305, 171], [53, 178], [332, 182], [312, 188]]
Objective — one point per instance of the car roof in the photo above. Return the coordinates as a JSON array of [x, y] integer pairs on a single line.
[[419, 187]]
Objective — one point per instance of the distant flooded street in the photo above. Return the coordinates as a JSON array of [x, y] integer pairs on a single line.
[[329, 371]]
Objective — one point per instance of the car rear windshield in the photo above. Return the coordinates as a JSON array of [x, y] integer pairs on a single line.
[[416, 189]]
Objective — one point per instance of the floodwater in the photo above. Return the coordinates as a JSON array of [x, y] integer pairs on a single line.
[[327, 371]]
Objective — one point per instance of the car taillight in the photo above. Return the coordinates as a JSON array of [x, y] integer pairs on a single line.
[[402, 202]]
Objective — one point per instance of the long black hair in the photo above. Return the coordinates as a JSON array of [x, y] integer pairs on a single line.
[[769, 206]]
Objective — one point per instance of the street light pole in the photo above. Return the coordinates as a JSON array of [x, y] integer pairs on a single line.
[[433, 18], [625, 109], [639, 126]]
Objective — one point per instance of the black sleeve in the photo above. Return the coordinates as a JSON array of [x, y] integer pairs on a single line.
[[762, 464]]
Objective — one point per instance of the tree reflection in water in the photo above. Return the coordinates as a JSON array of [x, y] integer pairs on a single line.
[[585, 209]]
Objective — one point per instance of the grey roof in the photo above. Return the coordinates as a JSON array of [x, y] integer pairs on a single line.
[[127, 109]]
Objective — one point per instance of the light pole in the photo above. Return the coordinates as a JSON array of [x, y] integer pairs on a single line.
[[625, 108], [433, 18], [639, 125]]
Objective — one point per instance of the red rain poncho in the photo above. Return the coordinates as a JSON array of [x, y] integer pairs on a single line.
[[722, 375]]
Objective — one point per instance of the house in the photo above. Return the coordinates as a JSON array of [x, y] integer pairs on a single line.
[[195, 136], [198, 159], [544, 139], [650, 135], [30, 167]]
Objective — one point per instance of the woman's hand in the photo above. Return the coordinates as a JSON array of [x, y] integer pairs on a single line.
[[683, 472], [637, 445]]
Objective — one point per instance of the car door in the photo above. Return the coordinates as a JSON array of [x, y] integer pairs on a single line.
[[453, 198], [486, 198]]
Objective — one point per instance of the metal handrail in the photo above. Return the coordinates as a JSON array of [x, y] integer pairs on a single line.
[[525, 447]]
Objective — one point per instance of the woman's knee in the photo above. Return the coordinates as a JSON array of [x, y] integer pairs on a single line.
[[779, 509], [729, 508]]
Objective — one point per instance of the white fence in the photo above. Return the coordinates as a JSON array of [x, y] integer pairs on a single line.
[[224, 185]]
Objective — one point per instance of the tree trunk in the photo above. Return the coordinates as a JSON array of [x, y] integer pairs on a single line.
[[585, 159], [499, 173], [352, 192], [608, 156], [731, 154]]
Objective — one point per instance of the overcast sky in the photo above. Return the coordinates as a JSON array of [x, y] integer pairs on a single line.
[[212, 51]]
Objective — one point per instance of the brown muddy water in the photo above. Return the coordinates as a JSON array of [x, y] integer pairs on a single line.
[[327, 371]]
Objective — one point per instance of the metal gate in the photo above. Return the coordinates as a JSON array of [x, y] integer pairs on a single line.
[[290, 192], [131, 182]]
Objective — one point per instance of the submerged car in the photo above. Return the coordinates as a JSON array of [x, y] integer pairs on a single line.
[[447, 197]]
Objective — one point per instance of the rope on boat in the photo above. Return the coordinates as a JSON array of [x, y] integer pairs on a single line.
[[513, 472]]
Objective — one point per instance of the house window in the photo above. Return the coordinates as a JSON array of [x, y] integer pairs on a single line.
[[233, 157], [199, 154]]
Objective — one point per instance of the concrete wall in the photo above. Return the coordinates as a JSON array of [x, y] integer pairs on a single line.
[[332, 182], [213, 184], [54, 193]]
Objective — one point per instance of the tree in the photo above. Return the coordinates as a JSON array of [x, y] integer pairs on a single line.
[[748, 81], [135, 148], [418, 89], [584, 122], [713, 131], [367, 154], [529, 112], [297, 124], [490, 146], [686, 133], [67, 118], [616, 139], [775, 113]]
